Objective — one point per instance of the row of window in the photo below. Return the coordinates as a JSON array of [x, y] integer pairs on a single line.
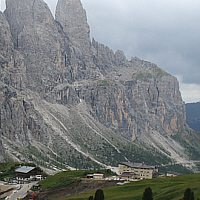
[[141, 175], [136, 171]]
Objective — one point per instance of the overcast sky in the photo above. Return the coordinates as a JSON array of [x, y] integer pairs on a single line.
[[165, 32]]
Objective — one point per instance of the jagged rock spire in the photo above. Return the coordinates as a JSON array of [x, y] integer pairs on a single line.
[[27, 14], [71, 15], [35, 34]]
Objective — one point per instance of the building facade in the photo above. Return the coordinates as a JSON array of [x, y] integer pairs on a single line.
[[139, 170], [95, 176], [173, 174], [27, 173]]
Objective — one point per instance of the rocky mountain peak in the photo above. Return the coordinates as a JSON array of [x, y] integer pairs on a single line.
[[6, 38], [66, 100], [72, 17], [23, 14], [35, 34], [73, 20]]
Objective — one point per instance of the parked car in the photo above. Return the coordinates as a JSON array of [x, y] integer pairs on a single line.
[[19, 187]]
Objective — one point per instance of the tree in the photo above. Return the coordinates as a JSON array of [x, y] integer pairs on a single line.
[[91, 198], [99, 195], [147, 195], [188, 194]]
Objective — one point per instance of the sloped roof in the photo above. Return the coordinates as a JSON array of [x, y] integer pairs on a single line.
[[138, 165], [24, 169], [98, 174]]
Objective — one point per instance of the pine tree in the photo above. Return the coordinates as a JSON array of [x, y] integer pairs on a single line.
[[147, 195], [188, 194], [99, 195], [91, 198]]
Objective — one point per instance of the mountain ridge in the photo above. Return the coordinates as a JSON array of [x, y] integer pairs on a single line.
[[71, 102]]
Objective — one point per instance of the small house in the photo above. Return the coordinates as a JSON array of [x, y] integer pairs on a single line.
[[173, 174], [95, 176]]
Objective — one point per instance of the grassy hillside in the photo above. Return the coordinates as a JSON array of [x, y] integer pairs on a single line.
[[66, 178], [193, 115], [63, 179], [163, 189]]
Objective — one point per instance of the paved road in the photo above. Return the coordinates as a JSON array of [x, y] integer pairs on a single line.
[[22, 192]]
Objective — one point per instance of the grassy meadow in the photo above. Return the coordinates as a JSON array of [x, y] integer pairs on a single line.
[[163, 189]]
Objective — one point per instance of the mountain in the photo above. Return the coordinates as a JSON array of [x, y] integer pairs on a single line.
[[193, 115], [67, 101]]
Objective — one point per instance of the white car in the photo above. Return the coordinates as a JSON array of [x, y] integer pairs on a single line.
[[19, 187]]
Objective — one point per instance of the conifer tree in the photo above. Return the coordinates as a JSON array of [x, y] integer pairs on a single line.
[[99, 195], [147, 195], [188, 194], [91, 198]]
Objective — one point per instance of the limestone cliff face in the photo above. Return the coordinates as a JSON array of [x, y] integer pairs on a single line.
[[2, 152], [72, 17], [142, 97], [18, 118], [66, 99], [12, 80], [36, 35]]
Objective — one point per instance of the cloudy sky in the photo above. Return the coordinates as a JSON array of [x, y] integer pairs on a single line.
[[165, 32]]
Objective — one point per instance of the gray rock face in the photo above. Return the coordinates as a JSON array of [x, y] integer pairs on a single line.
[[134, 108], [72, 17], [2, 152], [66, 99], [36, 35]]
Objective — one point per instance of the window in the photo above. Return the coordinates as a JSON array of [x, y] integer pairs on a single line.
[[142, 175]]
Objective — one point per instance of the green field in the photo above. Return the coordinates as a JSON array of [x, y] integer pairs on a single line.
[[63, 179], [163, 189]]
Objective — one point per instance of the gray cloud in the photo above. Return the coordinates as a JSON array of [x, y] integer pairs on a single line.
[[164, 32]]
